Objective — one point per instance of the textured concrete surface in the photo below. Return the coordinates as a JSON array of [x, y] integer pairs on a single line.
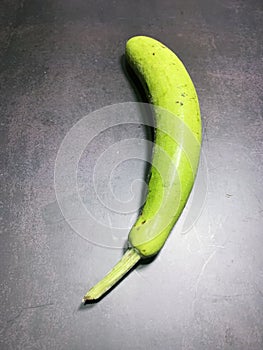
[[61, 60]]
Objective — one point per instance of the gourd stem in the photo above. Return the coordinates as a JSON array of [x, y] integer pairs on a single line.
[[129, 259]]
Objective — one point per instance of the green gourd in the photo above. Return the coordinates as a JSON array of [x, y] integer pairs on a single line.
[[177, 144]]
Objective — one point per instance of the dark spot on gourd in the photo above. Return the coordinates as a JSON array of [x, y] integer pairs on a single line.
[[181, 103], [183, 94], [143, 222], [153, 53]]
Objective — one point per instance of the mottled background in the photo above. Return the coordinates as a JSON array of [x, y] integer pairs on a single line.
[[61, 60]]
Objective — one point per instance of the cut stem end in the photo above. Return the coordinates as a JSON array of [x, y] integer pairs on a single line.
[[129, 259]]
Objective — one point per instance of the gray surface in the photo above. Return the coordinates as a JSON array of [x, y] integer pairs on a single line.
[[61, 61]]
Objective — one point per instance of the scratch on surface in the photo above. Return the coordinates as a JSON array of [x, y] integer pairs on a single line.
[[142, 277], [231, 75], [114, 237], [11, 321], [199, 240], [213, 42], [229, 297], [216, 246], [200, 244], [37, 306], [210, 233], [258, 200], [258, 290], [203, 270], [201, 275], [109, 220], [219, 224]]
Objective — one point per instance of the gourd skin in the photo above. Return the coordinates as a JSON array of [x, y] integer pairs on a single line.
[[177, 141]]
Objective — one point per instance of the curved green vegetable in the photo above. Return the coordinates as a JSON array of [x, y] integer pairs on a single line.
[[176, 152]]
